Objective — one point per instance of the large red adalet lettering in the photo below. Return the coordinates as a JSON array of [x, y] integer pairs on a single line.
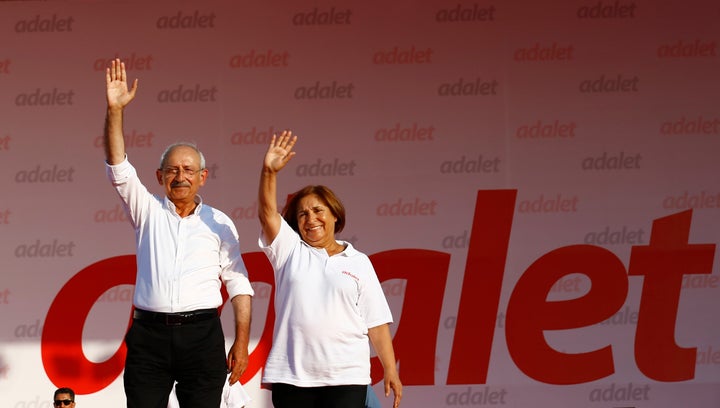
[[61, 342], [416, 337], [529, 314], [662, 263], [482, 283]]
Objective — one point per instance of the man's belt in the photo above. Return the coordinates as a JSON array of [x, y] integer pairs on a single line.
[[175, 319]]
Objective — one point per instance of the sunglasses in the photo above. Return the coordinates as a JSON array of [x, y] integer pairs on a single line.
[[58, 403]]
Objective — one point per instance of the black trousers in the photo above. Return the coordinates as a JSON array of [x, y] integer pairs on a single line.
[[158, 355], [338, 396]]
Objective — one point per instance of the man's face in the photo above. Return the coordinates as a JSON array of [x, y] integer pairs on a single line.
[[181, 174], [64, 400]]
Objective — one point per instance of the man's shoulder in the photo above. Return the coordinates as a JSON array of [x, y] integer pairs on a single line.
[[217, 214]]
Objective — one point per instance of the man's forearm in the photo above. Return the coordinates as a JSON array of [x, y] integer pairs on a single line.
[[113, 136], [242, 308]]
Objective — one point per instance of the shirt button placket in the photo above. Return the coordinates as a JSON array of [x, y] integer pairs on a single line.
[[179, 255]]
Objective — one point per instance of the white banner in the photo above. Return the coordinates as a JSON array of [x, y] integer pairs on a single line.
[[536, 183]]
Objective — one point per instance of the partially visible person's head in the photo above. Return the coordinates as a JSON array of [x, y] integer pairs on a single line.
[[64, 397], [182, 171], [310, 204]]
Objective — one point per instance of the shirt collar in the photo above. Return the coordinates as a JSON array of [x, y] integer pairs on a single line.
[[171, 207], [349, 249]]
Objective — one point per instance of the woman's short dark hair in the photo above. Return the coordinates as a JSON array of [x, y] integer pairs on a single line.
[[325, 195]]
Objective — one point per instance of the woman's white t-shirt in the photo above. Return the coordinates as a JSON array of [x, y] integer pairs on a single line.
[[324, 306]]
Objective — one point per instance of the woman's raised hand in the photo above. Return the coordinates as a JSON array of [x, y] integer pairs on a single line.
[[280, 151]]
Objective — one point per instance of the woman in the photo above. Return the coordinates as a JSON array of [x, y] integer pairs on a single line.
[[328, 300]]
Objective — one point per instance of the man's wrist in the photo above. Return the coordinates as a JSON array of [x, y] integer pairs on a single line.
[[115, 109]]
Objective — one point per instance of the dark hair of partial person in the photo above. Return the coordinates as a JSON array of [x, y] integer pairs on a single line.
[[290, 212], [163, 157], [65, 390]]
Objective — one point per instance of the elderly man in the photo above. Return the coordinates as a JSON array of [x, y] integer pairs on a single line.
[[186, 251]]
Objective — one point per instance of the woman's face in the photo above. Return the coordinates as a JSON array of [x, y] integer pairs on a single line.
[[316, 222]]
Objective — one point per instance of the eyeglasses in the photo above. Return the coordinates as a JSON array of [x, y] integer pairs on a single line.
[[174, 171], [58, 403]]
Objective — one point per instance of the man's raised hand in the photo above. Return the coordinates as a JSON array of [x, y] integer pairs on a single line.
[[118, 94]]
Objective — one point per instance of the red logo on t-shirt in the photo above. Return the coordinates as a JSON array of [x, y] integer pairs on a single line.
[[350, 275]]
